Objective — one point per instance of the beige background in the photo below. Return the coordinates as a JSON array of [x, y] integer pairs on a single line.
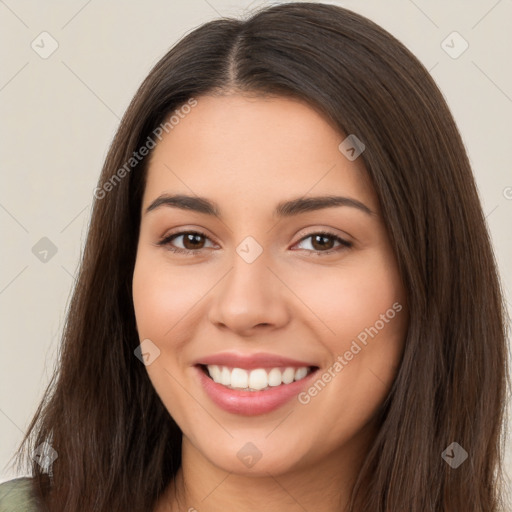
[[59, 115]]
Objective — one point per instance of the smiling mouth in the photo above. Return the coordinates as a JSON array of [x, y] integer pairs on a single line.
[[257, 379]]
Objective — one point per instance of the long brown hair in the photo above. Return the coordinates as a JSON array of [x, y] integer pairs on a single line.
[[118, 448]]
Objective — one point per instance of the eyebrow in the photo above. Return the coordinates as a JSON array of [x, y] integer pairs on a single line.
[[283, 209]]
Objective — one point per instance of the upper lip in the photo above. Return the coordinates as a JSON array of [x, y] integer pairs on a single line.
[[249, 361]]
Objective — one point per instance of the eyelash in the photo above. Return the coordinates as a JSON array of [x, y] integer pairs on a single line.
[[167, 243]]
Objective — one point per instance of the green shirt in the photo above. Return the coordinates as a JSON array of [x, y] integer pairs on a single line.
[[18, 496]]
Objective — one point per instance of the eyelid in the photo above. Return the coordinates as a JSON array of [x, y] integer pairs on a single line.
[[343, 243], [312, 230], [183, 230], [166, 240]]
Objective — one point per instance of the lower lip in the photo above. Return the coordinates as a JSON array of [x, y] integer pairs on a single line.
[[251, 403]]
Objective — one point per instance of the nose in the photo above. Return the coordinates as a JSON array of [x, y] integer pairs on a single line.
[[250, 297]]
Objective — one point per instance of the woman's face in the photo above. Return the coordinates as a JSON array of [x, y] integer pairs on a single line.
[[258, 289]]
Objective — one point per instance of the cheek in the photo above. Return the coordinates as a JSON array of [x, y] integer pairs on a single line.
[[364, 309], [164, 300], [352, 297], [162, 296]]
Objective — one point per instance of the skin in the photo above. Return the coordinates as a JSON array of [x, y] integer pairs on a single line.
[[247, 154]]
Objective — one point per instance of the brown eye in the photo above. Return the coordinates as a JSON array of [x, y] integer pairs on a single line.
[[320, 242], [192, 241], [323, 242]]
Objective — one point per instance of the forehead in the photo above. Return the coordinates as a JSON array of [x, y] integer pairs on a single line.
[[249, 151]]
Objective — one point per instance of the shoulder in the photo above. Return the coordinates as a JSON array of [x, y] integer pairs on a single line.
[[18, 495]]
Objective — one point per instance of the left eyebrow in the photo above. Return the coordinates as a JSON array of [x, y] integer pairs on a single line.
[[308, 204], [283, 209]]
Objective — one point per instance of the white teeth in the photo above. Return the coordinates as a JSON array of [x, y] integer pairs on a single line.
[[239, 378], [215, 373], [300, 373], [288, 375], [257, 379], [275, 377], [225, 377]]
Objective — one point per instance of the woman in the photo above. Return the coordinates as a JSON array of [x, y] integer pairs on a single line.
[[288, 299]]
